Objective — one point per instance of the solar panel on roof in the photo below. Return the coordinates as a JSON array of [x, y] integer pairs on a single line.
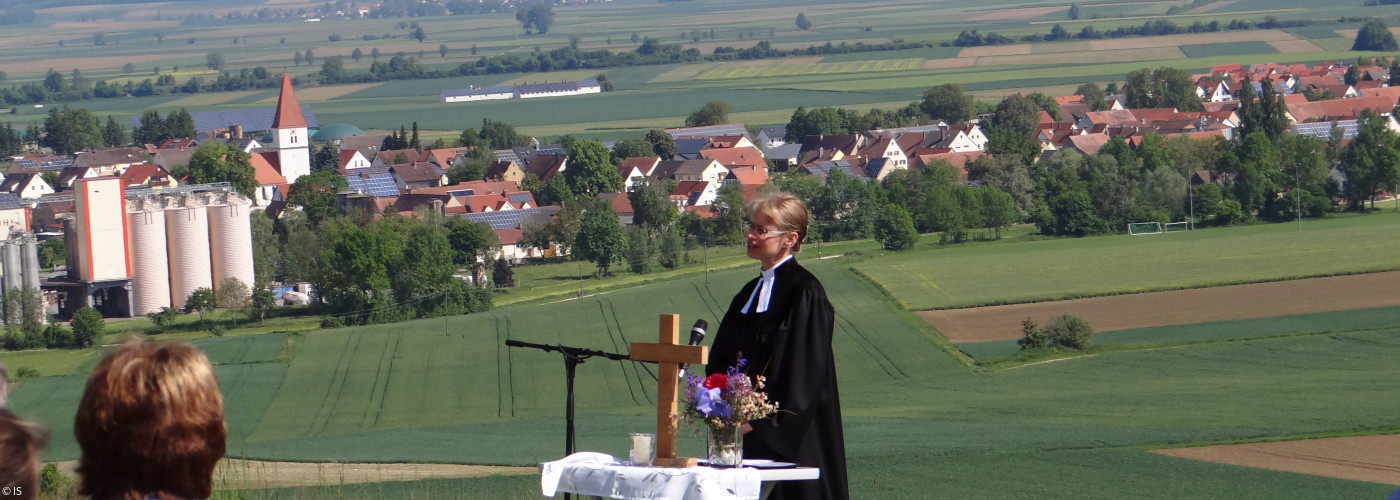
[[9, 200], [381, 185], [462, 192], [519, 197], [505, 219]]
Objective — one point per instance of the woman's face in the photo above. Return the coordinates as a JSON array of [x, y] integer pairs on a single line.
[[767, 243]]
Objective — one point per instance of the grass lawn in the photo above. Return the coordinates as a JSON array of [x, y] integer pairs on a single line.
[[964, 276]]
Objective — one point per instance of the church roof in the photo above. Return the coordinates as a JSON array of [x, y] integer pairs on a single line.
[[288, 113]]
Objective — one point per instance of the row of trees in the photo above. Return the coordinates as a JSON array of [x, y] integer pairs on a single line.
[[971, 38], [22, 313]]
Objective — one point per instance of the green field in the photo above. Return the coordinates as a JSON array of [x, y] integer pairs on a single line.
[[1227, 49], [964, 276], [733, 71], [1215, 331], [449, 391]]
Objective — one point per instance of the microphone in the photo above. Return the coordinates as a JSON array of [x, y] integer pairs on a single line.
[[697, 333]]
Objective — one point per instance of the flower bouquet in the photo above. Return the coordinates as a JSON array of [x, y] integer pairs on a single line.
[[724, 402]]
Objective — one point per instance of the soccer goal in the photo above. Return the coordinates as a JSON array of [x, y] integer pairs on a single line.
[[1173, 227], [1136, 228]]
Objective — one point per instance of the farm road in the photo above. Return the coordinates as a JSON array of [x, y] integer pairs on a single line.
[[1176, 307]]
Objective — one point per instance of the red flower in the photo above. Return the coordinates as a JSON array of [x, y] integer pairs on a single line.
[[716, 381]]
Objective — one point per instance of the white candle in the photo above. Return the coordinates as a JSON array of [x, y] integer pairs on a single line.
[[642, 448]]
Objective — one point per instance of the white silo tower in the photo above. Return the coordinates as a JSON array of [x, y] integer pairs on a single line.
[[187, 237], [30, 258], [14, 277], [231, 239], [150, 281]]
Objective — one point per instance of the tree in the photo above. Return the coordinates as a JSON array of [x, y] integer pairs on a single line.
[[87, 327], [214, 60], [1371, 162], [213, 161], [652, 209], [948, 102], [333, 69], [316, 194], [1074, 12], [470, 241], [600, 239], [420, 35], [802, 22], [1016, 113], [1164, 87], [1069, 331], [537, 18], [1031, 335], [374, 53], [1256, 172], [591, 170], [1094, 96], [629, 148], [71, 130], [894, 228], [501, 135], [1374, 36], [357, 54], [51, 253], [262, 301], [502, 276], [662, 143], [164, 318], [201, 300], [296, 58], [442, 50], [231, 294], [712, 113], [112, 133], [998, 209], [129, 69]]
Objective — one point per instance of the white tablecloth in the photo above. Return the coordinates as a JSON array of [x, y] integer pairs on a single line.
[[602, 475]]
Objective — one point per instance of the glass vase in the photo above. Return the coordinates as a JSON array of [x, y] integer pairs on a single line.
[[726, 447]]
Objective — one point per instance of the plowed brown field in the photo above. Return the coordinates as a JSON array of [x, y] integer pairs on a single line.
[[1363, 458], [1198, 305]]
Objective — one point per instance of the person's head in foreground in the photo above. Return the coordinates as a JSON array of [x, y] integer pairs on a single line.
[[150, 424], [20, 443], [777, 226]]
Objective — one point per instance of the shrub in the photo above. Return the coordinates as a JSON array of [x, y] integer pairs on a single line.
[[164, 318], [87, 327], [1230, 213], [1031, 335], [1069, 331], [26, 372], [56, 336], [332, 322]]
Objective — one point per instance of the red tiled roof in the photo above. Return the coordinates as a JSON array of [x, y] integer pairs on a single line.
[[265, 170], [141, 173], [288, 109], [735, 156], [643, 163]]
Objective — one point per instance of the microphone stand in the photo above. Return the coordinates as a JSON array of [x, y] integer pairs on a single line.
[[573, 356]]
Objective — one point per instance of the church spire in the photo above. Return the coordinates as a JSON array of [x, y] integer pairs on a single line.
[[288, 109]]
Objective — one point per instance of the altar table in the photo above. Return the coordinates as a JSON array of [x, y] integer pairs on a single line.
[[602, 475]]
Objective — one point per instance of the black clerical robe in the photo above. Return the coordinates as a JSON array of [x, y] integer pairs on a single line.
[[790, 345]]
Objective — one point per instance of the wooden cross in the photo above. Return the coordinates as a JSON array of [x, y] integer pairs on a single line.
[[668, 356]]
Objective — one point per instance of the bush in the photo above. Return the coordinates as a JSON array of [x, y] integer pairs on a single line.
[[1069, 331], [25, 372], [332, 322], [87, 327], [56, 336], [164, 318], [1230, 213], [1031, 335]]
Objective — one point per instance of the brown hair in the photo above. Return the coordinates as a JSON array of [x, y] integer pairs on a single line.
[[151, 423], [788, 212], [20, 443]]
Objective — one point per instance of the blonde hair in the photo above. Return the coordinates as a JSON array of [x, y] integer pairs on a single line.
[[150, 424], [788, 212]]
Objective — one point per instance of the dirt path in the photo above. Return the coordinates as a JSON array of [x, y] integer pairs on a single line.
[[241, 474], [1362, 458], [1199, 305]]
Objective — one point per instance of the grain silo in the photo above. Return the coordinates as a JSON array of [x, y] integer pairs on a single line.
[[13, 276], [187, 238], [30, 257], [231, 239], [150, 281]]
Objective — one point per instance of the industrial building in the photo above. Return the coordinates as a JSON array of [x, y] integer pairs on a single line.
[[133, 251]]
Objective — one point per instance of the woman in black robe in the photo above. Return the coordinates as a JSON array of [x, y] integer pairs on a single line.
[[781, 323]]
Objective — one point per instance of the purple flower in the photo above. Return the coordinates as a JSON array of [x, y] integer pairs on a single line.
[[707, 402]]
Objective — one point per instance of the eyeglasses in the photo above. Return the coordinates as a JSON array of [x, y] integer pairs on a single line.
[[757, 230]]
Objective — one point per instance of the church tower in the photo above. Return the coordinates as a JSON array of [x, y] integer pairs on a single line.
[[290, 140]]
